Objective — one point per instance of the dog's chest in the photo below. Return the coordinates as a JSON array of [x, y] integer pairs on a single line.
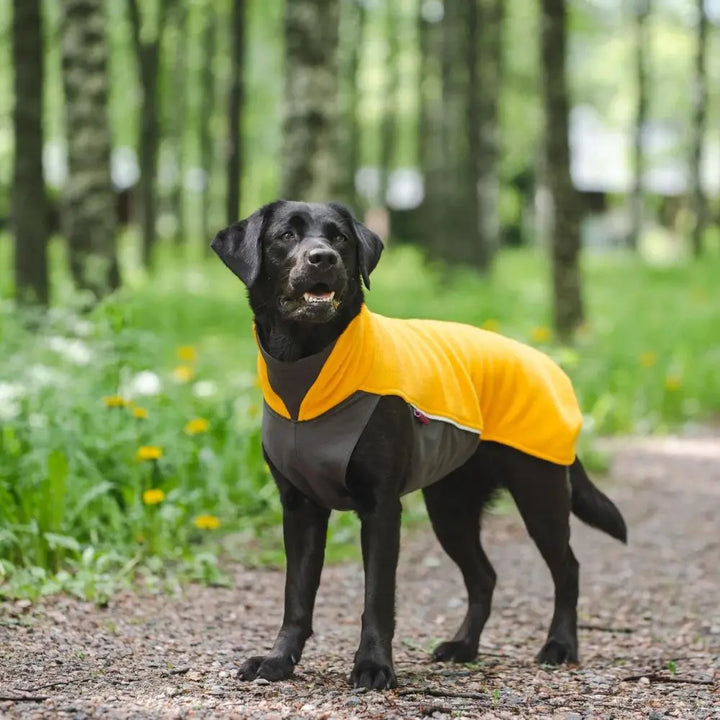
[[313, 455]]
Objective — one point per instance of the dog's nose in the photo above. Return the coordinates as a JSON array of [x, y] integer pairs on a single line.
[[322, 257]]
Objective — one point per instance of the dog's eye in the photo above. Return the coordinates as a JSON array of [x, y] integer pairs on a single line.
[[288, 235], [339, 238]]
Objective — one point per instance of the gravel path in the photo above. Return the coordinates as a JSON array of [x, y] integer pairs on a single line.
[[649, 638]]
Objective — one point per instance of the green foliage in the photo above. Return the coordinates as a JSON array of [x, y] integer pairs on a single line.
[[82, 402], [80, 395]]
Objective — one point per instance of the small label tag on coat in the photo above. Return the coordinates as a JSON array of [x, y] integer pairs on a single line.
[[421, 417]]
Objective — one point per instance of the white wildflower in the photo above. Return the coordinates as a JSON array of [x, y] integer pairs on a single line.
[[9, 410], [9, 392], [144, 383], [42, 376], [83, 328], [75, 351], [204, 388]]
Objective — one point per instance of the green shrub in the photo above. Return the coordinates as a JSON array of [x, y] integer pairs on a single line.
[[106, 447]]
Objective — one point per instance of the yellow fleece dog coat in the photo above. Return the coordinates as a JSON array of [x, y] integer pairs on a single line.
[[471, 382]]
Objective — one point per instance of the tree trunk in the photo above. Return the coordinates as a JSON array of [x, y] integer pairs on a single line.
[[488, 158], [89, 201], [352, 30], [207, 102], [642, 11], [700, 96], [235, 100], [568, 306], [457, 239], [147, 54], [310, 138], [29, 203], [177, 119], [388, 124], [431, 148]]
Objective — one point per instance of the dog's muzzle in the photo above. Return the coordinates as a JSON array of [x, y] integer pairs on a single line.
[[315, 282]]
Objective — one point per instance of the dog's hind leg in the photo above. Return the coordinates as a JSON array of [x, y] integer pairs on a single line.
[[542, 493], [455, 506]]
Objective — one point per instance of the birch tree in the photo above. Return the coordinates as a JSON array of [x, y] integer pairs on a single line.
[[310, 118], [699, 118], [565, 223], [89, 218]]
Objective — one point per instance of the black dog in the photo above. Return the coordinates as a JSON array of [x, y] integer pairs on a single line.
[[303, 265]]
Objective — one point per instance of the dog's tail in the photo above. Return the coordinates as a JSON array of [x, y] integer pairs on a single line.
[[592, 506]]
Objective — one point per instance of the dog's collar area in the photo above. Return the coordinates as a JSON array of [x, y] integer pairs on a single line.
[[291, 381], [305, 388]]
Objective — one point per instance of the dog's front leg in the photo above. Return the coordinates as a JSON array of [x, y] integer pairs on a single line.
[[380, 547], [304, 532]]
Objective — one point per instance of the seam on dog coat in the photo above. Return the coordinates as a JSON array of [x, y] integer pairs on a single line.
[[459, 381]]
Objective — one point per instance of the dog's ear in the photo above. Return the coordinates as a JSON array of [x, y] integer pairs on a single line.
[[370, 247], [369, 244], [239, 247]]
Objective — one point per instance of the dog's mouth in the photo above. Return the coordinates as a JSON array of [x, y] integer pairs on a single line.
[[320, 294], [318, 303]]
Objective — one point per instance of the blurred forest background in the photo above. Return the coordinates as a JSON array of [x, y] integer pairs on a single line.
[[546, 168]]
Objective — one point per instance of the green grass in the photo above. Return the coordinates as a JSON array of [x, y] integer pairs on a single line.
[[74, 510]]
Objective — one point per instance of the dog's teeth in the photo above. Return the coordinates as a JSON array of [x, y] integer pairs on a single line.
[[319, 297]]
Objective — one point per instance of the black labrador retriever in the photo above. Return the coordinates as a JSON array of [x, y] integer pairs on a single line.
[[303, 265]]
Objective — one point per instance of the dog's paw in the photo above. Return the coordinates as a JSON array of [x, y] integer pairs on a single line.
[[276, 668], [454, 651], [268, 668], [248, 670], [556, 652], [372, 675]]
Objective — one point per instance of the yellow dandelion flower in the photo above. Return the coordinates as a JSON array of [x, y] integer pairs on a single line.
[[673, 383], [540, 334], [648, 359], [197, 426], [187, 353], [140, 413], [183, 373], [153, 496], [491, 324], [114, 401], [148, 452], [206, 522]]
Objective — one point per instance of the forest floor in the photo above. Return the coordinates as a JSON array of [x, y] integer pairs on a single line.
[[649, 633]]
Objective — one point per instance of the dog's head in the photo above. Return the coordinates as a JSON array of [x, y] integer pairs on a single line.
[[301, 261]]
